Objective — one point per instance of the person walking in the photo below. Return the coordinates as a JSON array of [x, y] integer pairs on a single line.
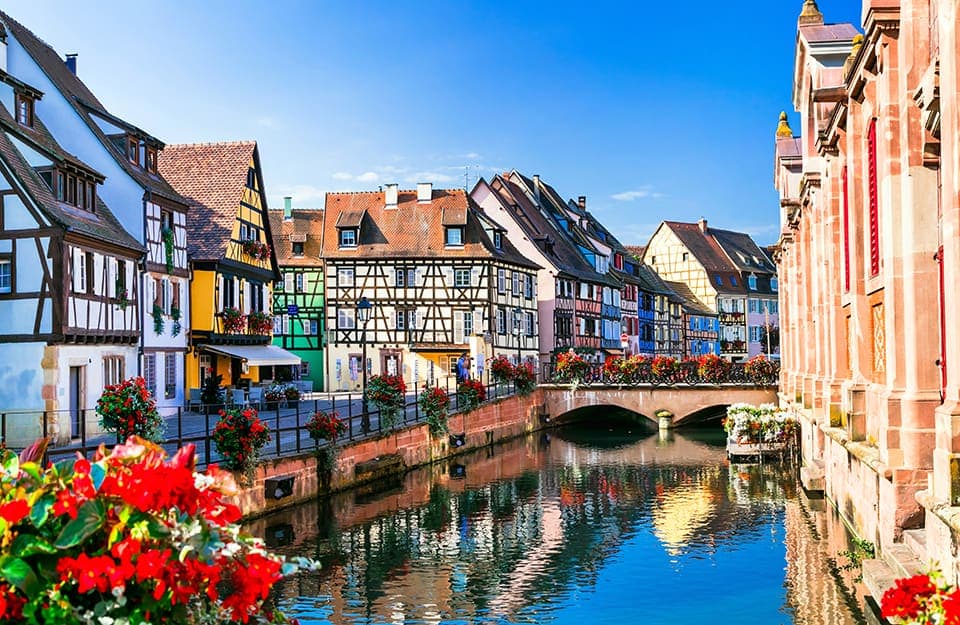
[[463, 370]]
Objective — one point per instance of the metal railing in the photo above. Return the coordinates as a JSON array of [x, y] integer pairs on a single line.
[[685, 372], [287, 421]]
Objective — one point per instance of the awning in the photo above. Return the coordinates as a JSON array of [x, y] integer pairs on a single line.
[[257, 355]]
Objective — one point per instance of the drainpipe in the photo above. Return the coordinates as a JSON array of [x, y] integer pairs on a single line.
[[141, 278]]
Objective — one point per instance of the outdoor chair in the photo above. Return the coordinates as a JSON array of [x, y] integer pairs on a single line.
[[195, 403], [238, 397], [256, 396], [306, 386]]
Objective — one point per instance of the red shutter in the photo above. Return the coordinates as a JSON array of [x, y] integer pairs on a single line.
[[846, 232], [943, 329], [874, 209]]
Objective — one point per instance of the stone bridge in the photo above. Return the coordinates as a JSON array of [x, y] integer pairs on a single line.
[[688, 404]]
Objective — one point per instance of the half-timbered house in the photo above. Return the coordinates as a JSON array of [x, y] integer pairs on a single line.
[[443, 279], [144, 204], [299, 314], [69, 322], [232, 261], [701, 329]]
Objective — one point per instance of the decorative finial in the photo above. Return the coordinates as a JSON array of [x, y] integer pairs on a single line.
[[810, 15], [783, 128], [852, 57]]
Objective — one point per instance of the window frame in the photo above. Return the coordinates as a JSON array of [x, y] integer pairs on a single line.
[[296, 248], [458, 273], [343, 236], [26, 105], [448, 238], [7, 259]]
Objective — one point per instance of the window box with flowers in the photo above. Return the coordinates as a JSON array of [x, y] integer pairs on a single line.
[[239, 436], [571, 367], [470, 394], [388, 394], [434, 403], [234, 322], [257, 250], [260, 323], [761, 370], [662, 368], [129, 535], [713, 369], [128, 409], [524, 379]]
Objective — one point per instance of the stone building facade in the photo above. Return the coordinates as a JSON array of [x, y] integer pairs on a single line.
[[869, 266]]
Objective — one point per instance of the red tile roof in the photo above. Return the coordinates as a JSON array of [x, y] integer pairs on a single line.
[[212, 177], [708, 252], [306, 225], [824, 33]]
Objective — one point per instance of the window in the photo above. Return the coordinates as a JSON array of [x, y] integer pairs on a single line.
[[401, 319], [406, 319], [528, 286], [516, 283], [753, 306], [345, 277], [461, 277], [346, 318], [25, 109], [685, 256], [653, 260], [348, 237], [873, 199], [501, 320], [733, 281], [501, 280], [774, 285], [297, 248], [454, 235], [406, 277], [256, 297], [309, 327], [90, 280], [251, 178], [150, 373], [467, 322], [120, 281], [752, 282], [298, 282], [72, 190], [6, 274], [152, 160], [278, 325], [497, 240], [133, 151], [112, 370], [229, 292], [528, 323], [61, 186], [718, 280], [169, 375], [772, 306]]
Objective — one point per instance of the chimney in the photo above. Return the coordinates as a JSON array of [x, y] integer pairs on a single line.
[[582, 202], [703, 225], [536, 188], [390, 196], [424, 191], [71, 62], [287, 207]]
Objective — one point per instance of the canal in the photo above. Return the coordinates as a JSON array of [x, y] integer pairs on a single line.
[[574, 526]]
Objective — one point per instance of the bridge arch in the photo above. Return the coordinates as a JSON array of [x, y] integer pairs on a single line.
[[687, 404], [608, 412]]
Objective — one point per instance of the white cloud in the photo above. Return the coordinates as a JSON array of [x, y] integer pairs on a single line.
[[645, 191], [342, 175], [429, 176], [368, 176]]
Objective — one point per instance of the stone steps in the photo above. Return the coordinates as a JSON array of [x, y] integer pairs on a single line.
[[917, 541], [899, 560]]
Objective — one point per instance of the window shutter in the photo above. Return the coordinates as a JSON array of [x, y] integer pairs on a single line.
[[288, 282], [266, 305], [176, 295], [112, 278], [247, 296], [478, 321], [872, 192], [157, 292], [220, 293], [286, 324], [458, 327], [77, 258], [411, 277]]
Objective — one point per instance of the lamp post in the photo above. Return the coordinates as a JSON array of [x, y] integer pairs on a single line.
[[517, 317], [364, 307]]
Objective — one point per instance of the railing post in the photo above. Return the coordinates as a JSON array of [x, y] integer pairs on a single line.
[[179, 426], [206, 437], [416, 405], [349, 415], [278, 428], [46, 433]]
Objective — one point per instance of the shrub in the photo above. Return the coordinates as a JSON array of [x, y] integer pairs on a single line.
[[434, 402], [238, 436], [130, 536], [470, 394], [128, 409]]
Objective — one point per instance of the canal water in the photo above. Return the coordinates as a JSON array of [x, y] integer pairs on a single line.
[[577, 527]]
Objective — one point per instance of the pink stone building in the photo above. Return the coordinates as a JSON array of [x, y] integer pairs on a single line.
[[869, 265]]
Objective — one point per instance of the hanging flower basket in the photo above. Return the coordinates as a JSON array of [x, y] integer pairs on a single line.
[[234, 322]]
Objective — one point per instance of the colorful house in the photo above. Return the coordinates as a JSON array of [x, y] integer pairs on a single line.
[[232, 260], [701, 328], [144, 204], [299, 314], [69, 304], [441, 277]]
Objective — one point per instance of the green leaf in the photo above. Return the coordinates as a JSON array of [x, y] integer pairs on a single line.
[[10, 462], [40, 510], [33, 470], [64, 468], [29, 544], [89, 519], [18, 573]]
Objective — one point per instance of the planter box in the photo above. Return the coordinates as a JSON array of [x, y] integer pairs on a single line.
[[737, 449]]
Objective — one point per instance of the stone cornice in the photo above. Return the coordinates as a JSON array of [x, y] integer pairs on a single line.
[[879, 21]]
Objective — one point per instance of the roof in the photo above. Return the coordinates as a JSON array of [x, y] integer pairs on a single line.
[[636, 250], [689, 301], [708, 252], [413, 229], [211, 177], [543, 232], [743, 251], [825, 33], [101, 225], [39, 137], [85, 104], [306, 225], [789, 147], [350, 219], [651, 281]]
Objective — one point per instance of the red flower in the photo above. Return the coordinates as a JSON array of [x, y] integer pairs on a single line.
[[908, 597], [14, 510]]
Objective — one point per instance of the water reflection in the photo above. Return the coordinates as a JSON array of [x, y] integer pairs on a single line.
[[580, 526]]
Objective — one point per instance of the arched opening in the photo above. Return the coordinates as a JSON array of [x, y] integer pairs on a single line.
[[711, 416], [606, 415]]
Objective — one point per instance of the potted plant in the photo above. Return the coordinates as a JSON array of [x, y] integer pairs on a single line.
[[260, 323], [325, 426], [212, 395], [470, 394], [238, 437], [501, 369], [272, 396], [388, 394], [234, 322], [434, 403], [128, 409], [130, 536], [292, 394]]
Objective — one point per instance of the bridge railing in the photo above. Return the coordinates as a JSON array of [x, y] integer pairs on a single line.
[[678, 373]]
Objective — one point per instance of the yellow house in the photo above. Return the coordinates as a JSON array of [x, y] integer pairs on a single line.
[[232, 262]]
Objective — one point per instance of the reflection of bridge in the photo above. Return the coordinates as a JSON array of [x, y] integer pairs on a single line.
[[687, 404]]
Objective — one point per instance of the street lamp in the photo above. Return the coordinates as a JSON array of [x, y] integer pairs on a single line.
[[364, 308], [517, 316]]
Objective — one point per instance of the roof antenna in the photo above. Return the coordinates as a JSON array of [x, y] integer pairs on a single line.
[[466, 178]]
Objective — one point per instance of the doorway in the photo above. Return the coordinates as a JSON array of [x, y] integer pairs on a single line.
[[77, 400], [391, 362]]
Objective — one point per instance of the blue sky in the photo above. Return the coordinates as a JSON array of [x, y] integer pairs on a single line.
[[653, 110]]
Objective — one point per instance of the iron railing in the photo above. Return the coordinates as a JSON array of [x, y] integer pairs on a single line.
[[684, 372]]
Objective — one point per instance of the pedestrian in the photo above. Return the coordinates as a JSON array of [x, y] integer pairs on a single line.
[[462, 370]]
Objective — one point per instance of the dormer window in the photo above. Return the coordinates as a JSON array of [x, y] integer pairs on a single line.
[[133, 151], [453, 236], [752, 282], [70, 188], [297, 248], [348, 237], [25, 110], [497, 240], [152, 160]]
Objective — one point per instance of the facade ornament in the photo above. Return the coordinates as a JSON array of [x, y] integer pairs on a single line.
[[783, 128], [810, 15]]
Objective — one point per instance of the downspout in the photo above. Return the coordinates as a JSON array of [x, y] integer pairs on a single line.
[[143, 285]]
